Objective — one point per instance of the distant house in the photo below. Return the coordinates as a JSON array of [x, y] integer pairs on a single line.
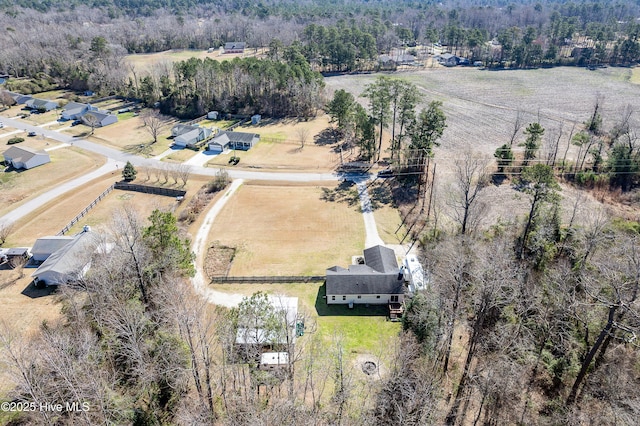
[[46, 246], [102, 118], [233, 140], [75, 110], [45, 104], [19, 98], [69, 263], [185, 135], [234, 47], [447, 59], [23, 157], [377, 282]]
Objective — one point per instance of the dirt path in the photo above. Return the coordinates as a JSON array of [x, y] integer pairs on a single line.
[[372, 238]]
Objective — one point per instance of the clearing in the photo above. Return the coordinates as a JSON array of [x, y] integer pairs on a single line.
[[146, 62], [287, 230]]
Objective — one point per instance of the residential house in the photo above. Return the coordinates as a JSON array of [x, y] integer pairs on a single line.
[[37, 104], [233, 140], [23, 157], [234, 47], [447, 59], [69, 263], [19, 98], [46, 246], [378, 281], [185, 135], [99, 118], [75, 110]]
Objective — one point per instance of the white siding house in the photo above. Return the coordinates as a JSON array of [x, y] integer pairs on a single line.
[[46, 246], [23, 157], [102, 118], [69, 263], [35, 103], [192, 136], [75, 110], [233, 140]]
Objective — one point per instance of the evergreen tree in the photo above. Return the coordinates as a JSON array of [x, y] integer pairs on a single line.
[[129, 172]]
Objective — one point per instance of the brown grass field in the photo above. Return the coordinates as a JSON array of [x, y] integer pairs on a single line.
[[66, 163], [287, 230], [147, 61], [127, 135]]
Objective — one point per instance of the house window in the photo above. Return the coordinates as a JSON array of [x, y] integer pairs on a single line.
[[394, 298], [333, 298], [359, 297], [344, 297], [378, 297]]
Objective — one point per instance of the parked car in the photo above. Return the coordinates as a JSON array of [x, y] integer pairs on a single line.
[[1, 125], [32, 133], [75, 123], [387, 173]]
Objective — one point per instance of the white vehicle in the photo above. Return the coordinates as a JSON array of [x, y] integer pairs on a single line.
[[414, 274]]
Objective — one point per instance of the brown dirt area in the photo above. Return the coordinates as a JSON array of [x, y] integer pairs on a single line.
[[66, 163], [218, 260], [287, 230]]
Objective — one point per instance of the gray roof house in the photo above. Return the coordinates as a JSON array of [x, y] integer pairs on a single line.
[[46, 246], [45, 104], [19, 98], [378, 281], [103, 118], [447, 59], [70, 262], [23, 157], [234, 47], [233, 140], [185, 135], [75, 110]]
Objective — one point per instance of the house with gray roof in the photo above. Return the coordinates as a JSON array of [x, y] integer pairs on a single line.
[[75, 110], [234, 47], [233, 140], [377, 281], [102, 118], [447, 59], [19, 98], [23, 157], [46, 246], [35, 103], [70, 262], [185, 135]]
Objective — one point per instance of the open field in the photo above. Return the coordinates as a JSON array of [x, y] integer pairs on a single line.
[[179, 155], [280, 147], [66, 163], [287, 230], [147, 61], [127, 135]]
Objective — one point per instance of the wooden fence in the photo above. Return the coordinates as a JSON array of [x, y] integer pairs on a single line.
[[269, 280], [85, 211], [156, 190]]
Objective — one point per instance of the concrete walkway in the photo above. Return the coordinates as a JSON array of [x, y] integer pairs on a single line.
[[201, 158]]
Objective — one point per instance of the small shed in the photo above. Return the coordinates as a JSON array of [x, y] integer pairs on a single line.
[[255, 119], [212, 115]]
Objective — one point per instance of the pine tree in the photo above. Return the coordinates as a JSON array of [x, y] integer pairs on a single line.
[[129, 172]]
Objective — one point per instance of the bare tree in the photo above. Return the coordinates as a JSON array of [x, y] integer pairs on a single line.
[[154, 123], [471, 176], [303, 135], [5, 230], [517, 126], [91, 120], [184, 172]]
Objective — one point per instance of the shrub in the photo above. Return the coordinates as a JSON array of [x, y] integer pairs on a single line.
[[219, 182], [15, 140]]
